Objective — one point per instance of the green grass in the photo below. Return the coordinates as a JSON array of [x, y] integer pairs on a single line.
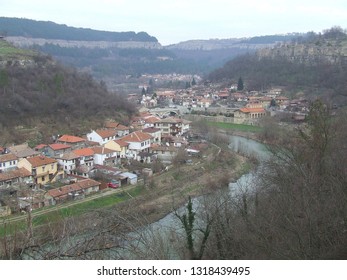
[[237, 127], [10, 52], [73, 210]]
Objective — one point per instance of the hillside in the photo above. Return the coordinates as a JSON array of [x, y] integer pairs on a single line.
[[315, 65], [50, 30], [40, 96]]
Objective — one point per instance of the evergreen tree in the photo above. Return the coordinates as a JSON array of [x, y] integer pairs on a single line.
[[240, 84]]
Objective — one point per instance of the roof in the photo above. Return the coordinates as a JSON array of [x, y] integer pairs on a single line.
[[151, 119], [170, 120], [151, 130], [78, 186], [23, 151], [111, 124], [85, 152], [21, 172], [8, 157], [40, 161], [129, 175], [106, 133], [40, 146], [102, 150], [59, 146], [70, 139], [252, 110], [121, 143], [69, 156], [137, 136]]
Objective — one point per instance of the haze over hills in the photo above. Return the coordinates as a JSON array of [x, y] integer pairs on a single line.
[[113, 54]]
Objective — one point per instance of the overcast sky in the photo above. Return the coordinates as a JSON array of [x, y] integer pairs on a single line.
[[173, 21]]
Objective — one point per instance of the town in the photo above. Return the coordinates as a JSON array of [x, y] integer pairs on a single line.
[[72, 167]]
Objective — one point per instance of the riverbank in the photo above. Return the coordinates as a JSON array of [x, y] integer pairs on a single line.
[[216, 168]]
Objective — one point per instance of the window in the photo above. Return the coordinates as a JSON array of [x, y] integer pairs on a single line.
[[43, 168]]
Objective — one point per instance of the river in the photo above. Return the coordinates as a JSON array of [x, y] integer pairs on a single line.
[[167, 229]]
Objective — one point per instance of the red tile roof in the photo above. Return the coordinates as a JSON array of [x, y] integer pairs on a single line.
[[21, 172], [40, 161], [59, 146], [85, 152], [252, 110], [8, 157], [121, 143], [102, 150], [106, 133], [136, 136], [39, 147]]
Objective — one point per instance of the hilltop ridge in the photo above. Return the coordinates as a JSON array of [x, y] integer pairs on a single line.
[[20, 27]]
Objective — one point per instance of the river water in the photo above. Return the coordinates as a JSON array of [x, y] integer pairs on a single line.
[[169, 228]]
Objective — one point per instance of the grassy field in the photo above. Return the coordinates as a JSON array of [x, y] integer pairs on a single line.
[[236, 127], [7, 51], [74, 210]]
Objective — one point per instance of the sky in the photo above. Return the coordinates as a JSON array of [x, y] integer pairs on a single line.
[[173, 21]]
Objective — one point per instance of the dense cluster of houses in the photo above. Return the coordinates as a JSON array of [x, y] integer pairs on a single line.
[[68, 167], [244, 107]]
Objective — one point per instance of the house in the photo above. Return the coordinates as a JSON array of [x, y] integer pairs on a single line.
[[121, 130], [74, 141], [165, 153], [56, 149], [155, 133], [73, 191], [15, 178], [138, 142], [68, 161], [104, 156], [8, 162], [204, 102], [120, 146], [84, 162], [23, 151], [43, 169], [102, 136], [170, 126], [248, 115]]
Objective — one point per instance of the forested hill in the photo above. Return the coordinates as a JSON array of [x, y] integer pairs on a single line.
[[315, 64], [50, 30], [39, 98]]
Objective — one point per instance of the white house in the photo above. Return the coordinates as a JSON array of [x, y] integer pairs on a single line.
[[155, 133], [68, 161], [102, 136], [104, 156], [8, 162], [84, 162], [138, 142]]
